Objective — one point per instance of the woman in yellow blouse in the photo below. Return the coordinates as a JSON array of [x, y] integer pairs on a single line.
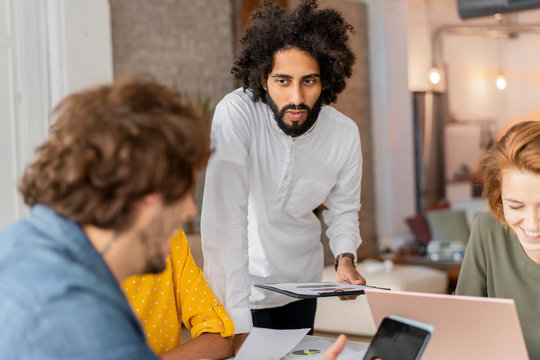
[[160, 302]]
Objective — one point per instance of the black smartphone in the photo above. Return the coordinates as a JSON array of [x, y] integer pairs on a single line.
[[399, 338]]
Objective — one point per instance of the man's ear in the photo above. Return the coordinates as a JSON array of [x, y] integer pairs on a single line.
[[150, 199], [147, 206], [263, 83]]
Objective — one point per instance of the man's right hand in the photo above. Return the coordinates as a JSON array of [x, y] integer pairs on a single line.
[[238, 340], [336, 348]]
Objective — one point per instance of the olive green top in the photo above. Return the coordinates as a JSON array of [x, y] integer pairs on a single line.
[[495, 265]]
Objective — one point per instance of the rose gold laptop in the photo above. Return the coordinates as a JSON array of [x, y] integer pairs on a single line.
[[465, 327]]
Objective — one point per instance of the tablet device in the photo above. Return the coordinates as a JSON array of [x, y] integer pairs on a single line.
[[399, 338]]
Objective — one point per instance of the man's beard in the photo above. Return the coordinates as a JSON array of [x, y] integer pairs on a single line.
[[294, 129], [160, 228], [156, 262]]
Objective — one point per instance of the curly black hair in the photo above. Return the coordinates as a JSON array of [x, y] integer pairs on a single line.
[[321, 33]]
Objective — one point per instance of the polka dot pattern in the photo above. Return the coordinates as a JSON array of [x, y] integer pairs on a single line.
[[161, 301]]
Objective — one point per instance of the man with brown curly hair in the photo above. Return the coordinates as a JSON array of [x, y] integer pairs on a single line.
[[280, 152], [107, 191]]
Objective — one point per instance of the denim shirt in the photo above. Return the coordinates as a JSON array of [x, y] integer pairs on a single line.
[[58, 298]]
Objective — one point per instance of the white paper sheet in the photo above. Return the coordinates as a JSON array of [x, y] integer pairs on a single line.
[[313, 350], [269, 344]]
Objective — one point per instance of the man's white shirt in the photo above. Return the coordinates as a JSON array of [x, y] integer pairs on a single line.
[[261, 188]]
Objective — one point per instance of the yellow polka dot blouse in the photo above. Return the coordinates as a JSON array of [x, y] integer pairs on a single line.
[[161, 300]]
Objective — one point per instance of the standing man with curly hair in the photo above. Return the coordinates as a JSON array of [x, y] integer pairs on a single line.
[[281, 152]]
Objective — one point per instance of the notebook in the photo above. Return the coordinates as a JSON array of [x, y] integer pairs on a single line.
[[465, 327]]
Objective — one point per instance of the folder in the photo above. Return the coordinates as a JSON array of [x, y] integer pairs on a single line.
[[317, 289]]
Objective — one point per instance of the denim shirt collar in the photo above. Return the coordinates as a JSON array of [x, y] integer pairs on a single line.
[[69, 238]]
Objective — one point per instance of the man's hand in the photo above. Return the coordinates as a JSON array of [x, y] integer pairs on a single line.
[[347, 273], [336, 348], [238, 340]]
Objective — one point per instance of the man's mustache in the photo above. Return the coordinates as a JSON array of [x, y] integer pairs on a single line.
[[295, 107]]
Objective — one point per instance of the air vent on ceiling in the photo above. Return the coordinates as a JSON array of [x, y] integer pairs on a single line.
[[475, 8]]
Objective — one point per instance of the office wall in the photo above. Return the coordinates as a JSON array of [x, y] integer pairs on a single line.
[[9, 207], [391, 113], [183, 43], [471, 60], [48, 49]]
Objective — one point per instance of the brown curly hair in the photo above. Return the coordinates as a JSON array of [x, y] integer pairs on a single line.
[[518, 149], [111, 145], [320, 33]]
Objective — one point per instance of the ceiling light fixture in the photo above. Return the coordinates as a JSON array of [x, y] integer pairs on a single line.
[[500, 80], [434, 75]]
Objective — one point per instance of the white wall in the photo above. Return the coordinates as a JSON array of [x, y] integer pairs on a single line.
[[80, 45], [23, 95], [8, 97], [391, 110], [48, 49]]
